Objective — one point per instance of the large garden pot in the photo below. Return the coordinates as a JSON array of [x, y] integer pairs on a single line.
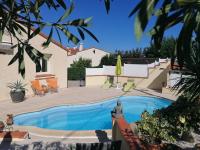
[[17, 96]]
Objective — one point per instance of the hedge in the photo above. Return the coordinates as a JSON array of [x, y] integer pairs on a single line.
[[76, 73]]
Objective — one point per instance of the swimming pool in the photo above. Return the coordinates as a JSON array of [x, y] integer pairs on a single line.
[[94, 116]]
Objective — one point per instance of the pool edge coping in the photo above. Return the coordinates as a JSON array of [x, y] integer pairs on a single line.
[[38, 130]]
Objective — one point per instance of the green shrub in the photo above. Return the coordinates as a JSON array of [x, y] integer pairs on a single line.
[[77, 69], [154, 129], [76, 73], [171, 123], [183, 114], [108, 60]]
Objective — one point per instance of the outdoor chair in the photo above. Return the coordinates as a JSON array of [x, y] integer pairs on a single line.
[[37, 88], [44, 85], [107, 84], [128, 86], [52, 84]]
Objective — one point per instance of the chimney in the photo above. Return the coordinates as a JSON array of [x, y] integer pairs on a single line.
[[81, 47]]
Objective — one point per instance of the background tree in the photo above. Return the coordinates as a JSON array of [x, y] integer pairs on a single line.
[[167, 49], [151, 52], [18, 18], [109, 60], [82, 63]]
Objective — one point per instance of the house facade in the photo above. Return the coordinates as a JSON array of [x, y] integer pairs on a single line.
[[94, 54], [55, 65]]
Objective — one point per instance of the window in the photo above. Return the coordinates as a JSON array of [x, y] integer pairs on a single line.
[[43, 64]]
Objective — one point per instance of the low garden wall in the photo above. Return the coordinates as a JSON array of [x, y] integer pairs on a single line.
[[121, 131], [131, 70]]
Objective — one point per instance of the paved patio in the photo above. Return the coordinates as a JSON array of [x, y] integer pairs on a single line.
[[67, 96], [77, 95]]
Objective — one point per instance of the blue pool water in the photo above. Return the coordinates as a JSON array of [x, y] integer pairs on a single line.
[[95, 116]]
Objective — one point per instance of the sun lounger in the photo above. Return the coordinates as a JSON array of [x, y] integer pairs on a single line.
[[128, 86], [107, 84], [37, 88], [52, 84]]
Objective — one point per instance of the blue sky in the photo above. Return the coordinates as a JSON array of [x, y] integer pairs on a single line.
[[114, 31]]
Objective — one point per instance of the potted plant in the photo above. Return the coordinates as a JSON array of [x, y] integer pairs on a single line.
[[17, 92]]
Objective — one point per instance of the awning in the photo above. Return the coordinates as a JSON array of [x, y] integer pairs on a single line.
[[47, 56], [6, 49]]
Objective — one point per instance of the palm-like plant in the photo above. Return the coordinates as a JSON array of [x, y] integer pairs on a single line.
[[189, 83], [17, 86], [168, 13]]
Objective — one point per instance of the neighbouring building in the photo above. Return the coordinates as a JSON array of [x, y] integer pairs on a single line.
[[55, 65], [94, 54]]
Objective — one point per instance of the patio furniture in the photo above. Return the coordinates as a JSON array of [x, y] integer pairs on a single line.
[[107, 84], [52, 84], [128, 86], [44, 85], [37, 88]]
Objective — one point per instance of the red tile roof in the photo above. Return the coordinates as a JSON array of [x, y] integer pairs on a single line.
[[52, 40], [72, 51]]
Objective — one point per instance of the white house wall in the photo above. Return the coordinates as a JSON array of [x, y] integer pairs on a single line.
[[135, 70], [58, 66], [109, 70], [130, 70], [94, 71], [88, 54]]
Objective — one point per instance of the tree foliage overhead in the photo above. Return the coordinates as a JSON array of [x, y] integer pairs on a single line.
[[168, 13], [19, 17]]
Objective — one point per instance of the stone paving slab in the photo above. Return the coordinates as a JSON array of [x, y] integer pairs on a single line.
[[70, 96]]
